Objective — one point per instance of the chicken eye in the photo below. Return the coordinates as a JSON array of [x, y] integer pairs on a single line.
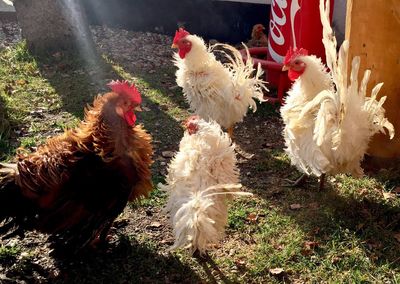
[[297, 62], [185, 42]]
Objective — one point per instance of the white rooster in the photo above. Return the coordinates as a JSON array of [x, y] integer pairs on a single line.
[[216, 91], [328, 121], [201, 178]]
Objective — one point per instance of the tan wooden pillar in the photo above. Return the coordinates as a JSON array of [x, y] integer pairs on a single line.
[[373, 29]]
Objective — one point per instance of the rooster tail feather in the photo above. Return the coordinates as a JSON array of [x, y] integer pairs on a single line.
[[355, 66], [10, 199], [243, 72], [7, 188], [364, 83], [328, 38], [342, 65], [199, 218]]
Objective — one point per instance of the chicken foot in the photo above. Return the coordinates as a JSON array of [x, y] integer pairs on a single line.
[[322, 182], [297, 183]]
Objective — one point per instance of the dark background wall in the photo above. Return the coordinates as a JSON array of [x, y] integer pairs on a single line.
[[225, 21]]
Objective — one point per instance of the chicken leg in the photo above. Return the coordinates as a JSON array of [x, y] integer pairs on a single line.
[[298, 182], [321, 182], [230, 132]]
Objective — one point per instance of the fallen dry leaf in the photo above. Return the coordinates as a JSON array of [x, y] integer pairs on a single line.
[[240, 262], [308, 248], [21, 82], [252, 217], [310, 244], [295, 206], [279, 247], [167, 154], [167, 241], [306, 252], [155, 225], [276, 271], [335, 259]]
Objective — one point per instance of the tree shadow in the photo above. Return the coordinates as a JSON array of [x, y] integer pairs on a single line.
[[77, 82], [157, 70], [74, 79]]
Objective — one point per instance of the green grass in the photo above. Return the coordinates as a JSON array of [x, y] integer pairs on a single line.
[[344, 234], [8, 254]]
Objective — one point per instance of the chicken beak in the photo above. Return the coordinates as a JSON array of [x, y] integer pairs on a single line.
[[174, 45], [285, 68], [138, 108]]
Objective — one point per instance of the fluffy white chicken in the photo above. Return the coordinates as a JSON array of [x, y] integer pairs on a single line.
[[328, 121], [201, 178], [216, 91]]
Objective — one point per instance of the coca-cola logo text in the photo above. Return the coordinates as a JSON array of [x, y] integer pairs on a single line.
[[277, 21]]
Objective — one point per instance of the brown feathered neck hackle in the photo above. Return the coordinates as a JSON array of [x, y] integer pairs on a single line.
[[103, 131]]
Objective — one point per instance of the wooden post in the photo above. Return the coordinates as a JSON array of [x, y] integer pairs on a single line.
[[373, 29]]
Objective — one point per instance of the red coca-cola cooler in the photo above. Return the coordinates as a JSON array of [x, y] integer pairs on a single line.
[[293, 23]]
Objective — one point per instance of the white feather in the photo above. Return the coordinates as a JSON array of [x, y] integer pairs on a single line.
[[216, 91], [328, 121], [201, 178]]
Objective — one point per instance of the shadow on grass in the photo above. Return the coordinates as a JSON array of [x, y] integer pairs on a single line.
[[167, 84], [77, 82], [127, 261], [5, 128], [346, 208]]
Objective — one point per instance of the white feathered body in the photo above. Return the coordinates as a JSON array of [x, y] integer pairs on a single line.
[[216, 91], [328, 122], [201, 178]]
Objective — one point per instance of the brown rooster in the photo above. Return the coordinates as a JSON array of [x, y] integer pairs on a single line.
[[258, 37], [76, 184]]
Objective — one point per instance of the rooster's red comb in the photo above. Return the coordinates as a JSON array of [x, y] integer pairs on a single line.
[[293, 53], [123, 87], [181, 33]]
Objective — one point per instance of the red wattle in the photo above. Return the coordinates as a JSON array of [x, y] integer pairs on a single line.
[[130, 118], [182, 53], [293, 75], [184, 49]]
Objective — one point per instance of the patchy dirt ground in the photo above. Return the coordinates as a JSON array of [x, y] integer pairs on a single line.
[[260, 239]]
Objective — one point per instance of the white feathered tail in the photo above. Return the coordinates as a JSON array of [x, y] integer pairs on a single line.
[[201, 178], [245, 78], [348, 117]]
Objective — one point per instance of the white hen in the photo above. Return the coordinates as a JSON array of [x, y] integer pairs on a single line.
[[216, 91], [328, 121], [201, 178]]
